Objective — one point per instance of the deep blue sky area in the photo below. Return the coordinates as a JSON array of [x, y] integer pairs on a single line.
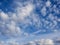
[[7, 5]]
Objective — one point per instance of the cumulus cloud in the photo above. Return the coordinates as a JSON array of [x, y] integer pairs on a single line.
[[31, 43], [41, 42], [8, 43], [23, 12], [9, 22], [43, 11], [16, 24], [4, 16], [48, 3], [1, 43], [26, 16], [8, 25]]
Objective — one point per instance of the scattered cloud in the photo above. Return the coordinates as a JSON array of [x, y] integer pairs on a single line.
[[15, 25], [41, 42], [48, 3], [4, 16], [43, 11], [9, 22], [8, 26]]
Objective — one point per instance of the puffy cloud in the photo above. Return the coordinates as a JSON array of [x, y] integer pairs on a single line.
[[4, 16], [43, 11], [11, 23], [38, 42], [24, 16], [2, 43], [12, 43], [8, 26], [13, 30], [8, 43], [41, 42], [31, 43], [48, 3], [49, 41], [22, 12]]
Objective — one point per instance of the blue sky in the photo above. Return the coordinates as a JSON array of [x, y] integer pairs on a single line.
[[28, 20]]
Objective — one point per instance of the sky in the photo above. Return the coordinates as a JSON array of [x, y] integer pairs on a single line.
[[22, 21]]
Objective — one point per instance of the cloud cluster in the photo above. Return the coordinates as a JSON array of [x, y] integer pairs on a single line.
[[25, 17], [25, 20], [36, 42], [8, 26], [41, 42], [8, 43]]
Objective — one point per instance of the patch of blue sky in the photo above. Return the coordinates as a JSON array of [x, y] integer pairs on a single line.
[[7, 5]]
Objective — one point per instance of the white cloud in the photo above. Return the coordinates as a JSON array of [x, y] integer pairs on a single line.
[[4, 16], [43, 11], [41, 42], [9, 43], [2, 43], [48, 3], [31, 43], [13, 30], [51, 16], [12, 43], [8, 25], [22, 12], [11, 22], [49, 42], [14, 17]]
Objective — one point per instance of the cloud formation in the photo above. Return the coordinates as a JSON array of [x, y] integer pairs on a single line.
[[25, 22], [41, 42], [28, 18], [36, 42]]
